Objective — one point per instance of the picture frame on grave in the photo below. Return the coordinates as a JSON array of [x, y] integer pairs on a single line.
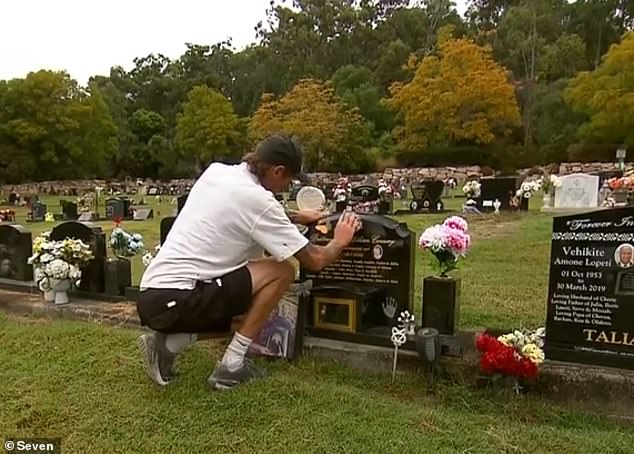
[[282, 336], [337, 314]]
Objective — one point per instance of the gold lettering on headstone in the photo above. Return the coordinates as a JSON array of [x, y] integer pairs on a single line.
[[615, 337]]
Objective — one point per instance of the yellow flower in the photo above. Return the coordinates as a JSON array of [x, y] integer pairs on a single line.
[[507, 339], [534, 353]]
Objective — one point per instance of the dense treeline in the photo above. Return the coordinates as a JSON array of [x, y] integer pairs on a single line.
[[360, 82]]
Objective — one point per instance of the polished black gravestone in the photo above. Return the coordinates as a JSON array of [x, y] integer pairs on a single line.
[[69, 210], [590, 317], [15, 250], [502, 189], [359, 297], [427, 195], [37, 213], [180, 202], [118, 208], [92, 279], [165, 227], [365, 193]]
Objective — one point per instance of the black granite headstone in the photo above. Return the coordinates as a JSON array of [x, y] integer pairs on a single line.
[[376, 271], [502, 189], [590, 315], [117, 207], [365, 193], [15, 250], [165, 227], [38, 212], [180, 202], [92, 279], [427, 195], [69, 210]]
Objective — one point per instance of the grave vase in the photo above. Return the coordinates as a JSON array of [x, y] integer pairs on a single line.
[[61, 288], [548, 200], [118, 273], [441, 303]]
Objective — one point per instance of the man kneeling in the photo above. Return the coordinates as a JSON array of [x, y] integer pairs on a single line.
[[210, 268]]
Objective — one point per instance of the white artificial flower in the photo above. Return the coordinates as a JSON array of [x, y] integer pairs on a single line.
[[433, 238], [534, 353]]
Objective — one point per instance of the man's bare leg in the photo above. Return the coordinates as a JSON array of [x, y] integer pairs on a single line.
[[269, 281]]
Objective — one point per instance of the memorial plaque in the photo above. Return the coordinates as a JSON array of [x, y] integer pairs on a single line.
[[15, 250], [92, 279], [591, 291], [359, 297]]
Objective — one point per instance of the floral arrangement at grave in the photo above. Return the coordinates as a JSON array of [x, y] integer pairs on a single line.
[[58, 260], [148, 256], [387, 192], [517, 355], [85, 203], [528, 189], [472, 189], [621, 183], [7, 215], [448, 242], [343, 190], [549, 183], [124, 244], [49, 217]]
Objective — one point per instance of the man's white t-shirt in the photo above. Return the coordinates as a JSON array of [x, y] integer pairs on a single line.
[[228, 219]]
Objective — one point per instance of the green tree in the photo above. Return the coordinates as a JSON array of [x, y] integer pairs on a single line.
[[606, 95], [207, 129]]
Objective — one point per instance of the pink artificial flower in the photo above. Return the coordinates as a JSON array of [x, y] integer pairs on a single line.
[[456, 240], [456, 222]]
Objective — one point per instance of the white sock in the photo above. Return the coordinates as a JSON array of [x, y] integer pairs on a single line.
[[234, 355], [176, 342]]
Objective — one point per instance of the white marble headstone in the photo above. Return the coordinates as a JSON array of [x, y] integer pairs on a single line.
[[578, 190]]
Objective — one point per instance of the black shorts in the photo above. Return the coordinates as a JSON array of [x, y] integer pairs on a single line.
[[209, 307]]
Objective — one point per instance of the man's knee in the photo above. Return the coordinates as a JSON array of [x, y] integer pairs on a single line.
[[265, 272]]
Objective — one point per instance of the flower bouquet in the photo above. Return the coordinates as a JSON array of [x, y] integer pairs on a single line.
[[515, 355], [549, 183], [448, 242], [528, 189], [124, 244], [57, 265], [148, 256], [472, 189]]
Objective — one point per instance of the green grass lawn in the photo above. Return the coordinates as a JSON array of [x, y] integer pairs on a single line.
[[504, 279], [84, 383]]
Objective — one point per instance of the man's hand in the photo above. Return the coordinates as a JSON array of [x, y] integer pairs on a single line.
[[305, 217], [349, 224]]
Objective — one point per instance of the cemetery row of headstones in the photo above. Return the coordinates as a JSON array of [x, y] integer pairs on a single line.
[[359, 297]]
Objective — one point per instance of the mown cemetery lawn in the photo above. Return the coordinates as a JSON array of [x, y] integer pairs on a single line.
[[84, 382]]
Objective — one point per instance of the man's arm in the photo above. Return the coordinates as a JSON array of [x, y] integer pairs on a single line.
[[316, 258]]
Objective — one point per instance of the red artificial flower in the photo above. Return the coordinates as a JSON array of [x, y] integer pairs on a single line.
[[485, 343], [117, 222]]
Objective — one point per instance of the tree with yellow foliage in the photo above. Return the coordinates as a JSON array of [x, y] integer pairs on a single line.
[[459, 95], [606, 95], [331, 133]]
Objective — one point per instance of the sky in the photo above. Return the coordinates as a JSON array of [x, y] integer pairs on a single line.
[[86, 37]]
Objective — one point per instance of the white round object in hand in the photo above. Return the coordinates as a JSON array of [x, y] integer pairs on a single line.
[[310, 198]]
